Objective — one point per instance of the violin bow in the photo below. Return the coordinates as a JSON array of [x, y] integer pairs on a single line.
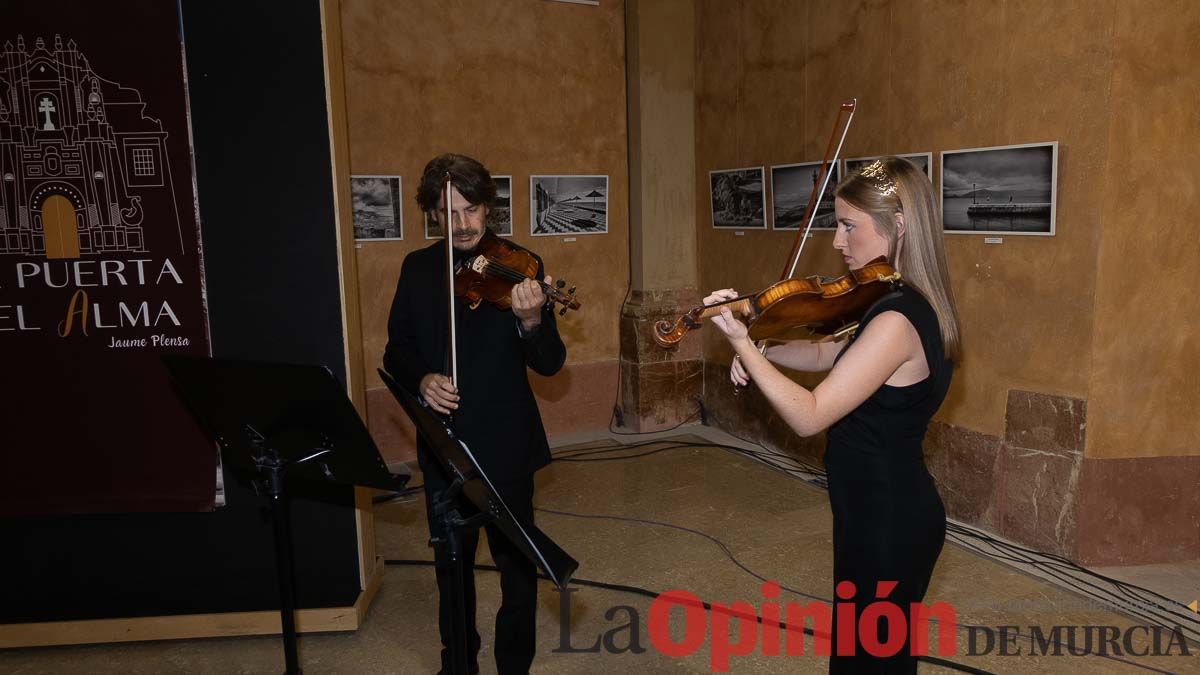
[[452, 349], [814, 199]]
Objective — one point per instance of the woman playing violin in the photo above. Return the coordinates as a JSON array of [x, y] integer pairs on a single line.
[[884, 385]]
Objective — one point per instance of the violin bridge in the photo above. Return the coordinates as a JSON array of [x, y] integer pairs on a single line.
[[478, 264]]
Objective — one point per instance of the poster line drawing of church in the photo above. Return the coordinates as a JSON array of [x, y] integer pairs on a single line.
[[77, 155]]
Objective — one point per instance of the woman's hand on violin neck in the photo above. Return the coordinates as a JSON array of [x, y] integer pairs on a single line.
[[720, 296], [439, 393], [527, 300], [733, 329]]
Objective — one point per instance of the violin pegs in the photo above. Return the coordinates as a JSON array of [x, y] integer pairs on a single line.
[[563, 311], [571, 291], [560, 283]]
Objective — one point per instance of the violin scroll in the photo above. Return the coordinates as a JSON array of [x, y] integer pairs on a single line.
[[667, 334]]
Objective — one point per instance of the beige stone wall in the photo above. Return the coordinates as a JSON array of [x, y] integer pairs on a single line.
[[1113, 83], [660, 76], [1146, 351], [1094, 313]]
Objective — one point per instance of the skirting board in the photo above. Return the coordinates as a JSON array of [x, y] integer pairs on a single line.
[[322, 620]]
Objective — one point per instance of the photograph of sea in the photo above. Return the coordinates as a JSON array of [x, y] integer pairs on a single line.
[[1008, 189], [791, 186], [377, 207]]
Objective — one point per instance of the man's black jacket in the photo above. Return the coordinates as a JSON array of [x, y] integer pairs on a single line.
[[497, 415]]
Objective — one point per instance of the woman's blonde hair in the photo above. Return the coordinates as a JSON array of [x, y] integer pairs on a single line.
[[893, 185]]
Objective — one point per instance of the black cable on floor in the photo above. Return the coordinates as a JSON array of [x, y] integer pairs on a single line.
[[955, 527], [725, 548], [815, 476], [637, 590], [1141, 603]]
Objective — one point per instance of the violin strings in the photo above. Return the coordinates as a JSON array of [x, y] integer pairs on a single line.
[[497, 270], [504, 272]]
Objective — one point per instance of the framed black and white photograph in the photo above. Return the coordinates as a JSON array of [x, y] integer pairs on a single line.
[[739, 201], [378, 212], [1000, 190], [791, 187], [923, 160], [500, 216], [432, 229], [568, 205]]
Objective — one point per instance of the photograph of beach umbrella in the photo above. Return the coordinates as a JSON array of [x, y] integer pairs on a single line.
[[738, 199], [791, 187], [1001, 190], [561, 205], [376, 202]]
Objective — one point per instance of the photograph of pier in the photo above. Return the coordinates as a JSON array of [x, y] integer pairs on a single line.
[[791, 186], [738, 200], [1001, 190], [377, 208]]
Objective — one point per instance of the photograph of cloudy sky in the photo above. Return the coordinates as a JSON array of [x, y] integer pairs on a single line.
[[377, 207], [1007, 190]]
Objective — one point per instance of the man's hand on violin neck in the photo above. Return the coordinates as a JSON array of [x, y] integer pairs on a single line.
[[527, 300], [439, 393]]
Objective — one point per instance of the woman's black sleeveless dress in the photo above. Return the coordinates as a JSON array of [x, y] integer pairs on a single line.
[[888, 520]]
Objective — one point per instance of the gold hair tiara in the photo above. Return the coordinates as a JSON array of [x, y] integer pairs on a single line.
[[878, 175]]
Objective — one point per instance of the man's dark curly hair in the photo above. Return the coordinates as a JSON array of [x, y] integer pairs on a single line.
[[470, 177]]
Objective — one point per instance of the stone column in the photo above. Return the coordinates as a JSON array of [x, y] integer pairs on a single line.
[[660, 388]]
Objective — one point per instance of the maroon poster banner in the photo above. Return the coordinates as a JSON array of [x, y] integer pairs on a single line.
[[101, 271]]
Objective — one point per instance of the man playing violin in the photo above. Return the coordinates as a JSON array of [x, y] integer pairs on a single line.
[[493, 407]]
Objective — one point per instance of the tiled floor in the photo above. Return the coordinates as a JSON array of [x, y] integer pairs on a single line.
[[775, 527]]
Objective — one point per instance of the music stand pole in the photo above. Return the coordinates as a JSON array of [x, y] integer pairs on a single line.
[[449, 542], [271, 468]]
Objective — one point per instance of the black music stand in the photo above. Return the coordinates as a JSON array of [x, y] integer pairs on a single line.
[[276, 423], [469, 480]]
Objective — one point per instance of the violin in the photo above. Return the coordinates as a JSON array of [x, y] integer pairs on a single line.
[[496, 267], [823, 306]]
